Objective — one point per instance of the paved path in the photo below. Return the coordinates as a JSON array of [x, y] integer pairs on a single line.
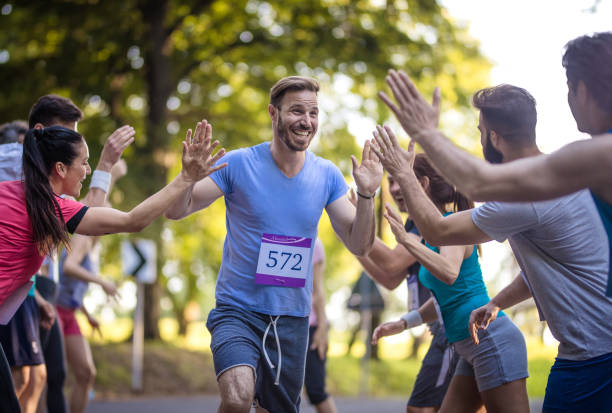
[[208, 404]]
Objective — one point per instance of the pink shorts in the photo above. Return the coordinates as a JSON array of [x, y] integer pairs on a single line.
[[68, 322]]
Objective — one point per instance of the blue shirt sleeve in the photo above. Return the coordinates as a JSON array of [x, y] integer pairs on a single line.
[[337, 184], [225, 176]]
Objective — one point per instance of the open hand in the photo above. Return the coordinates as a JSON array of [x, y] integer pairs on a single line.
[[395, 222], [388, 329], [110, 289], [46, 313], [320, 341], [197, 151], [480, 318], [369, 174], [95, 325], [388, 150], [114, 147], [414, 113]]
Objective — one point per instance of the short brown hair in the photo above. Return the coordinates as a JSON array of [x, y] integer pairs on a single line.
[[508, 110], [50, 109], [291, 83], [589, 58]]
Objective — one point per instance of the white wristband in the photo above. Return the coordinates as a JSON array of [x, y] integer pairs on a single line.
[[412, 319], [100, 179]]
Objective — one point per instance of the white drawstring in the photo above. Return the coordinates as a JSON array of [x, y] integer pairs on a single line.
[[263, 344]]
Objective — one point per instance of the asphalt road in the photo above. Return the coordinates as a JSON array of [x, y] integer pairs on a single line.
[[208, 404]]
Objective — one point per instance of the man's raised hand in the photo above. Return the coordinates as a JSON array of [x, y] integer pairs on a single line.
[[369, 173], [197, 150]]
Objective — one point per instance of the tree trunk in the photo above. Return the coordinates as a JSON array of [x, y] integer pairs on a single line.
[[157, 84]]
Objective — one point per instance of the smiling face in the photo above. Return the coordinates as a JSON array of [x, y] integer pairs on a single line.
[[396, 194], [74, 174], [296, 119]]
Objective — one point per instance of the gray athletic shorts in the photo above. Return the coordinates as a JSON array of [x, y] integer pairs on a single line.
[[499, 358], [436, 371]]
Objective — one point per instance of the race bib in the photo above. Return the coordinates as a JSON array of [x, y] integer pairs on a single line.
[[283, 261]]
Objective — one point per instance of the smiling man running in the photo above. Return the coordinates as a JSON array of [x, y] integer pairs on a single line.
[[275, 193]]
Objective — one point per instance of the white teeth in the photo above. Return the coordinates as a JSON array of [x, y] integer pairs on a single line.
[[301, 133]]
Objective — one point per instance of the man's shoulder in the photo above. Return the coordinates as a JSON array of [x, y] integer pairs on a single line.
[[320, 162]]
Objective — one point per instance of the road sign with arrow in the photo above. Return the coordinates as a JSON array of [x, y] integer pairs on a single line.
[[138, 257]]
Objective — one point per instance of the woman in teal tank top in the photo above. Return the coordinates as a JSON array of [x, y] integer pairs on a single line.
[[489, 374]]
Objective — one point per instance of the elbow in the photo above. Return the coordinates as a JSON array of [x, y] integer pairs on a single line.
[[173, 215], [450, 279], [134, 224], [360, 250], [434, 238]]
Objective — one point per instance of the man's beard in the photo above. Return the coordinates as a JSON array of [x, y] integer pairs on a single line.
[[282, 134], [491, 154]]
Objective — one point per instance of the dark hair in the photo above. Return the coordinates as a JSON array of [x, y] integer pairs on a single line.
[[42, 149], [10, 131], [508, 110], [51, 109], [440, 191], [291, 83], [589, 58]]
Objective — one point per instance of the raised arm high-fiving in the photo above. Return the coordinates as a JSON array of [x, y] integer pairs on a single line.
[[414, 113], [198, 162]]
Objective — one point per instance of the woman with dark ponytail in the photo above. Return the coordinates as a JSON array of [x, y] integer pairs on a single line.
[[34, 219], [492, 373]]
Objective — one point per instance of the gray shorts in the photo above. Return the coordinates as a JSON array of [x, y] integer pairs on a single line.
[[436, 371], [499, 358]]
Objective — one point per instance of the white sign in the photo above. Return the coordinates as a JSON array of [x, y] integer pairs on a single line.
[[139, 260]]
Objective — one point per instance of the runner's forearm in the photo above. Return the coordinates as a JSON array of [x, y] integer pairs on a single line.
[[363, 230], [516, 292], [465, 171]]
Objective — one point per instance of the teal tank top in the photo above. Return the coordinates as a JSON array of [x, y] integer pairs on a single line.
[[605, 211], [457, 301]]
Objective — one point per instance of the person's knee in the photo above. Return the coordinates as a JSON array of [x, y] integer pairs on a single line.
[[85, 374], [237, 388], [38, 376]]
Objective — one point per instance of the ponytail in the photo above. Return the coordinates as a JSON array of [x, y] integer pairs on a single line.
[[42, 149]]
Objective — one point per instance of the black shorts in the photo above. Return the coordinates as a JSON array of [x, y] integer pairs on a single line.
[[436, 371], [314, 379], [20, 338]]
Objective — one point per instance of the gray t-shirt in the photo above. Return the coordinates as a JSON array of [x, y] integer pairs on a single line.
[[562, 249]]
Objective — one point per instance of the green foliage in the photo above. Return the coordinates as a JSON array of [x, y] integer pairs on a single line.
[[162, 65]]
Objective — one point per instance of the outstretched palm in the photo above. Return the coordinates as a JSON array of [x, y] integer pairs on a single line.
[[394, 159], [197, 150], [369, 173], [414, 113]]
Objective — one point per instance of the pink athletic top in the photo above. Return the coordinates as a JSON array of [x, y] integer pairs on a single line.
[[318, 255], [19, 257]]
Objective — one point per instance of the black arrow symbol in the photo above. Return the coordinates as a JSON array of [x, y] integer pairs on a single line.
[[141, 256]]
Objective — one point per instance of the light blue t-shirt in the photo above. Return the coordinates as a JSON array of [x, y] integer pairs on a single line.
[[457, 301], [259, 200]]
